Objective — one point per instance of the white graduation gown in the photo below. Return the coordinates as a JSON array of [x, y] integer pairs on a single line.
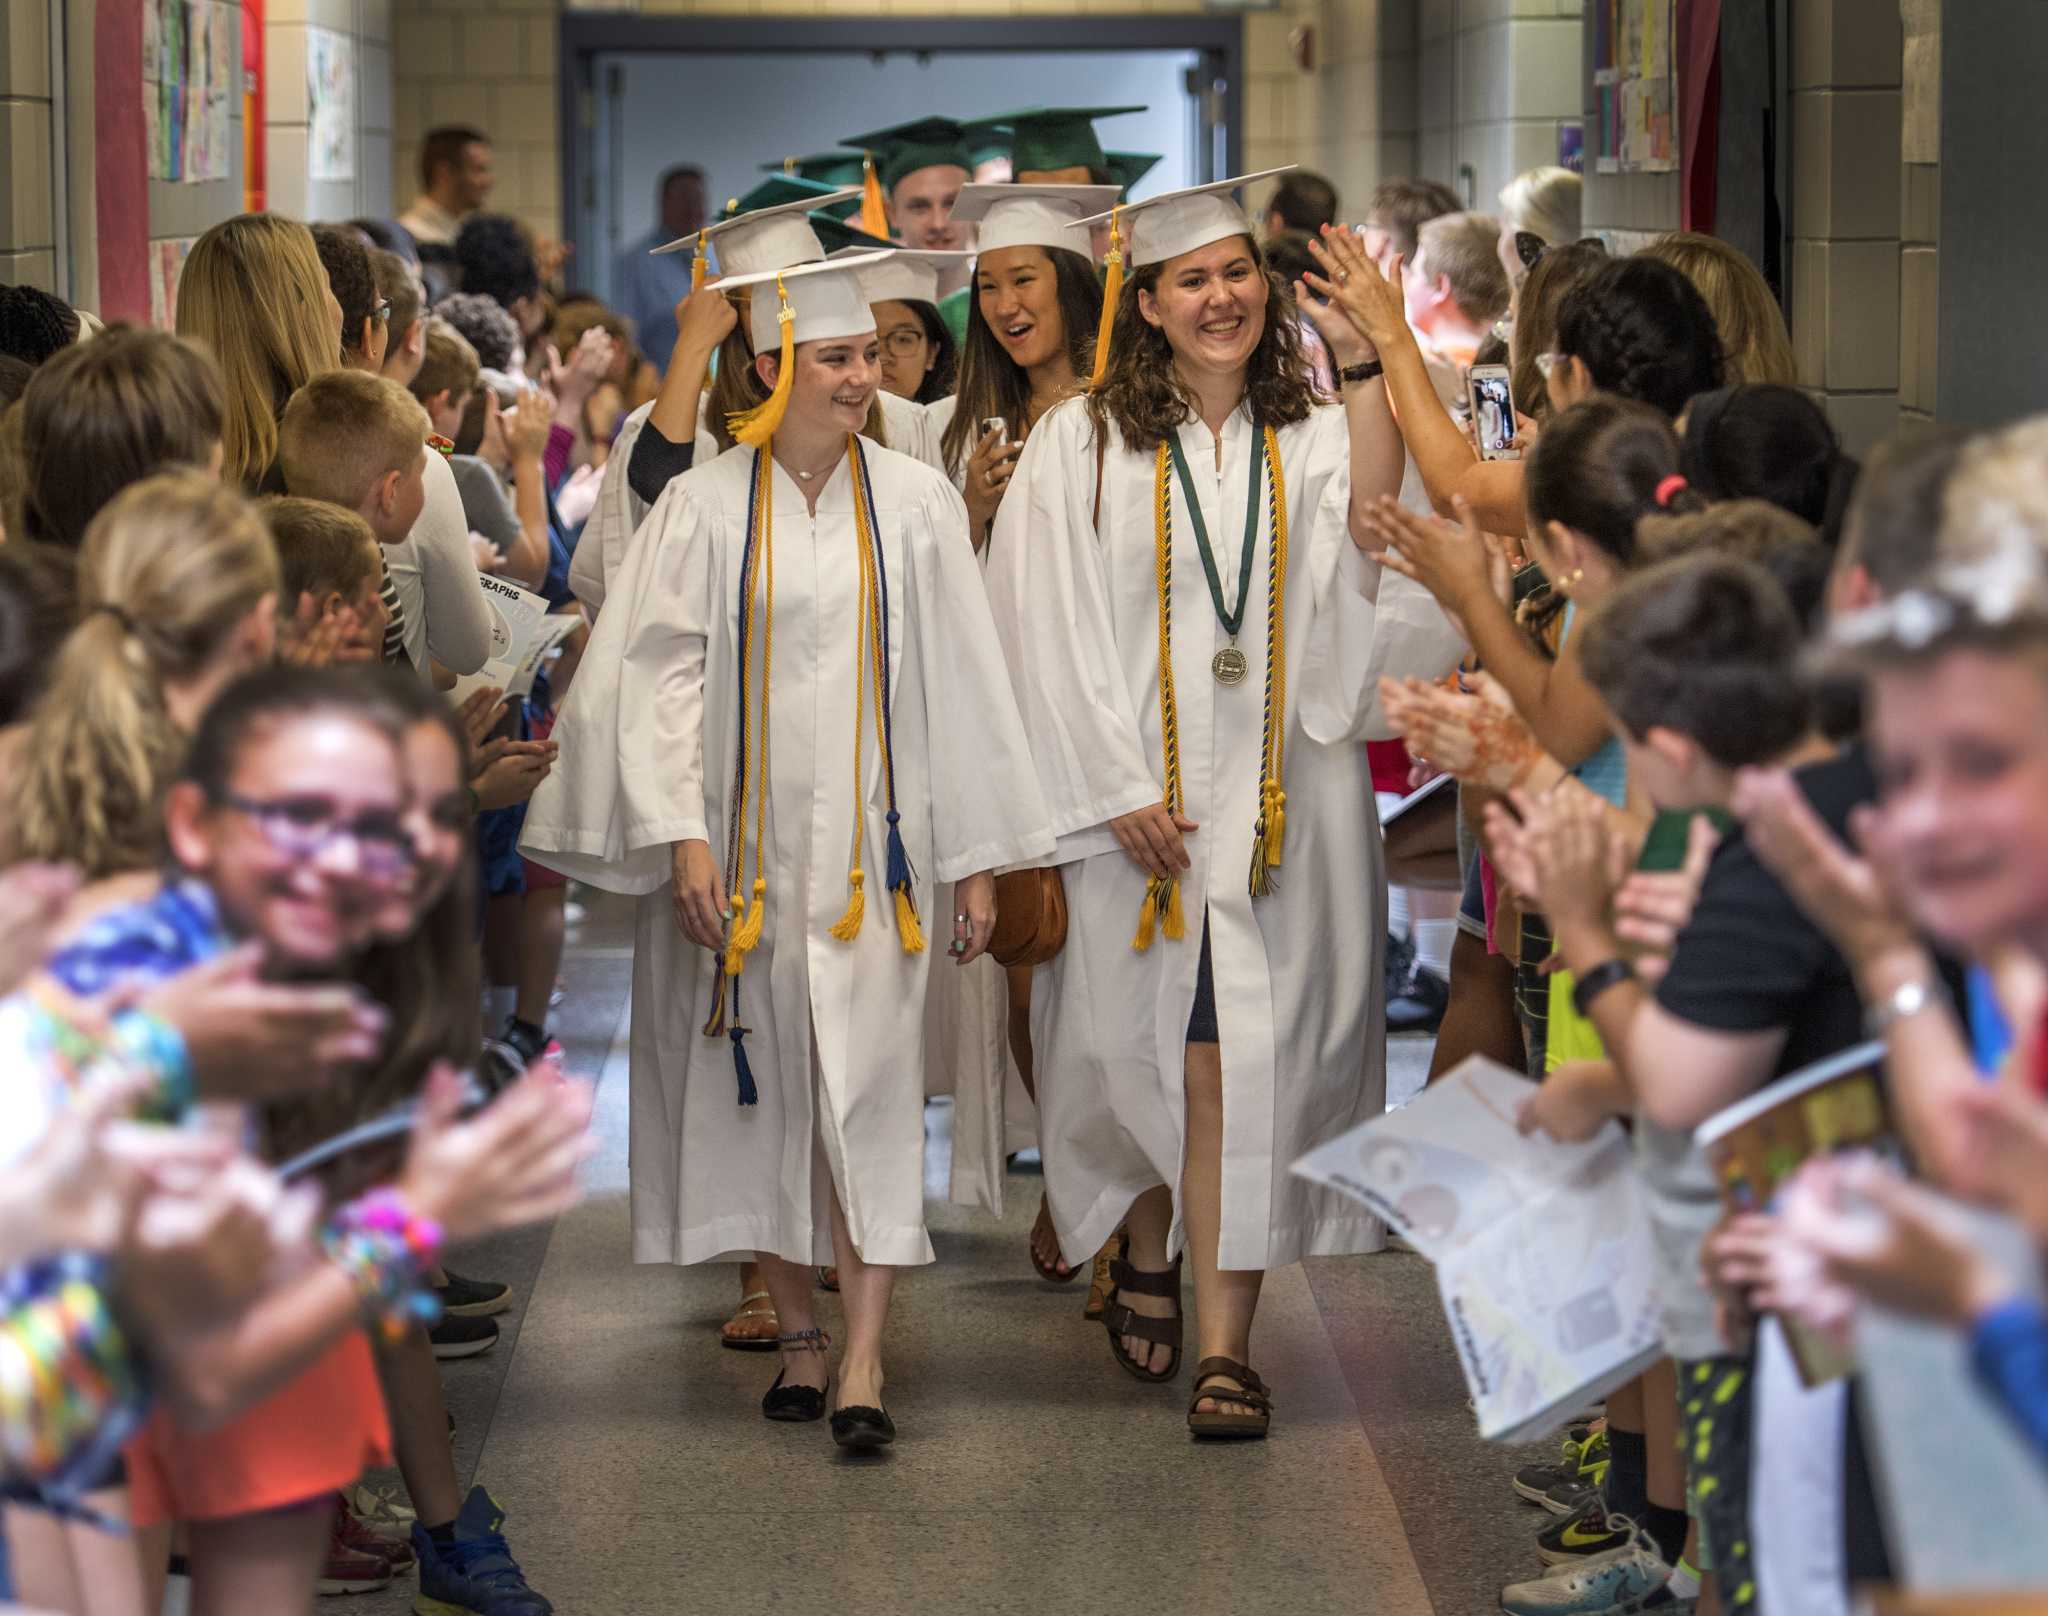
[[619, 511], [647, 737], [1297, 973]]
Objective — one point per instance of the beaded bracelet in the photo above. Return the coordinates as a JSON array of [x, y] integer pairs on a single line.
[[155, 1046], [65, 1370], [386, 1249]]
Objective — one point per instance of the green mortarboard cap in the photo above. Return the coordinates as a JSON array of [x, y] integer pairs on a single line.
[[836, 235], [1126, 168], [987, 139], [826, 168], [779, 191], [1048, 138], [904, 148]]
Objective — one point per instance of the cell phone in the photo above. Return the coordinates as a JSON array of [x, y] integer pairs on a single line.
[[997, 425], [1493, 411]]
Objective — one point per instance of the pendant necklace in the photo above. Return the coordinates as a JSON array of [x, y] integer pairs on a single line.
[[1229, 664]]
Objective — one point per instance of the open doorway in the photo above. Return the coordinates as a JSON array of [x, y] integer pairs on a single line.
[[649, 93]]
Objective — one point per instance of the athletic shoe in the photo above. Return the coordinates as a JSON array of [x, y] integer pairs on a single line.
[[1421, 1003], [1561, 1487], [1621, 1583], [472, 1298], [476, 1575], [463, 1338], [356, 1534], [348, 1569], [1587, 1531], [377, 1509], [499, 1066]]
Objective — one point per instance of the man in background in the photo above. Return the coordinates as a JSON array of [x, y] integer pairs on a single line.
[[646, 289], [455, 181], [1302, 201], [1395, 217]]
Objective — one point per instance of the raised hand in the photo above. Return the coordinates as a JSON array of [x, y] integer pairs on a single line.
[[1843, 893], [514, 1162], [1373, 303]]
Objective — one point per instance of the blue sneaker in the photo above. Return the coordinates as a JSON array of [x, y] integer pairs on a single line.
[[477, 1576]]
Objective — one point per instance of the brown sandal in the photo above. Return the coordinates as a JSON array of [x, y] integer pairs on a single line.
[[1047, 1271], [1120, 1321], [1099, 1282], [1254, 1394], [754, 1306]]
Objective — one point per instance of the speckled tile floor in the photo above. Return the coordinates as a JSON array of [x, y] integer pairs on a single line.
[[637, 1475]]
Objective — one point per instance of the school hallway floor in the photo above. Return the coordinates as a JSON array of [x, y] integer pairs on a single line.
[[1032, 1475]]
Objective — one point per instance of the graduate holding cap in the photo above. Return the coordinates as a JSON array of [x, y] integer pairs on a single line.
[[785, 858], [688, 417], [1195, 630]]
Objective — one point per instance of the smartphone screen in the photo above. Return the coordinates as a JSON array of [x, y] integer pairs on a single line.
[[1493, 412], [997, 425]]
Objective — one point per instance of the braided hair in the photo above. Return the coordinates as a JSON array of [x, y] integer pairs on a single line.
[[1642, 331], [34, 324]]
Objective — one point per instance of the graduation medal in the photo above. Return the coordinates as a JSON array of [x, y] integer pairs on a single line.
[[1229, 664], [1160, 913]]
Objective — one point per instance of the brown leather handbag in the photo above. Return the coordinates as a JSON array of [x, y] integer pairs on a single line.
[[1031, 918]]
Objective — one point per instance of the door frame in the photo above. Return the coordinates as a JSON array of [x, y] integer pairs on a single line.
[[587, 35]]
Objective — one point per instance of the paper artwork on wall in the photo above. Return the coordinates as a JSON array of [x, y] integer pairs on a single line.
[[331, 95], [189, 74], [1636, 86], [166, 264]]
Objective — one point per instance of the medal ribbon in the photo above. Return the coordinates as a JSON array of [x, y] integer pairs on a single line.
[[1232, 620]]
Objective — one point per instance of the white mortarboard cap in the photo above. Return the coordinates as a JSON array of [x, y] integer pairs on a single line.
[[767, 238], [1176, 222], [827, 300], [903, 275], [1033, 215]]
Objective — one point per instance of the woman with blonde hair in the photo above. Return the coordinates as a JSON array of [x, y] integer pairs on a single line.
[[177, 594], [1746, 312], [1539, 202], [253, 290]]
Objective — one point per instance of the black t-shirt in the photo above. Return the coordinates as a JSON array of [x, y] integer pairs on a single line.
[[1749, 960]]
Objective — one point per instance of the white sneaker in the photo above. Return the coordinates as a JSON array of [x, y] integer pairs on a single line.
[[379, 1510], [1618, 1583]]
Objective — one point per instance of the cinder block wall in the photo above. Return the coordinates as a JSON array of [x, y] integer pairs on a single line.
[[28, 224]]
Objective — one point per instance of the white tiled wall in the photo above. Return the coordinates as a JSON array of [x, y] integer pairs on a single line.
[[28, 231]]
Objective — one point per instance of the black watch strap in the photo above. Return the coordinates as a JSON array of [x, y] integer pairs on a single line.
[[1597, 981], [1363, 371]]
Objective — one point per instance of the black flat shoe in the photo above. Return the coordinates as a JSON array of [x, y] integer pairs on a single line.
[[796, 1404], [861, 1430]]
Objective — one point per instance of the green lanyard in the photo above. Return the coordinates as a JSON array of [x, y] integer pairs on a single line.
[[1232, 619]]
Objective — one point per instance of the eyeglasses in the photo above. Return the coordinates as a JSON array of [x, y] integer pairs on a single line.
[[906, 342], [306, 827], [1548, 362]]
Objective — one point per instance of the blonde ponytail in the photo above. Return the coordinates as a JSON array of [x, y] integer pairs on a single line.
[[169, 570]]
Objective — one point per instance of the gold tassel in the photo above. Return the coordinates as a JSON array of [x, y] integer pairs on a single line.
[[907, 927], [1148, 916], [748, 937], [874, 209], [856, 908], [756, 426], [1276, 821], [1175, 926], [700, 266], [1112, 293]]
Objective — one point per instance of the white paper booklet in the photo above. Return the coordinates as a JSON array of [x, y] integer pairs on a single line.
[[523, 632], [1542, 1250]]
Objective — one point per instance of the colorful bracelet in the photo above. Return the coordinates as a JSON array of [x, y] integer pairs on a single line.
[[65, 1370], [386, 1249], [151, 1043]]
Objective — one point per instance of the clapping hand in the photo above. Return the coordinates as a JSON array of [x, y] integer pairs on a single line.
[[1842, 892], [1475, 733], [1458, 562], [1372, 303]]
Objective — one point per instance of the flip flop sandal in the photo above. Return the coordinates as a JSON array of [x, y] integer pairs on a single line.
[[1099, 1283], [1047, 1271], [750, 1310], [1216, 1424], [1120, 1321]]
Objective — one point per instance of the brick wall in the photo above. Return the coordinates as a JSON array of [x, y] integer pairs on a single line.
[[28, 229]]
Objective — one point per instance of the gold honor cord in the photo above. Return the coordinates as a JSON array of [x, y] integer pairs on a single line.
[[1161, 911], [760, 577]]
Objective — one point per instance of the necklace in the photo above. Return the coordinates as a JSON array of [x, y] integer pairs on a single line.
[[1228, 665]]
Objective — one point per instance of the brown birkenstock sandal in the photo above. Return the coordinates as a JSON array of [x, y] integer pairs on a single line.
[[1120, 1321], [1251, 1392]]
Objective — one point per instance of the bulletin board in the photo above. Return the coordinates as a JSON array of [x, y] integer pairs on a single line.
[[1635, 86]]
